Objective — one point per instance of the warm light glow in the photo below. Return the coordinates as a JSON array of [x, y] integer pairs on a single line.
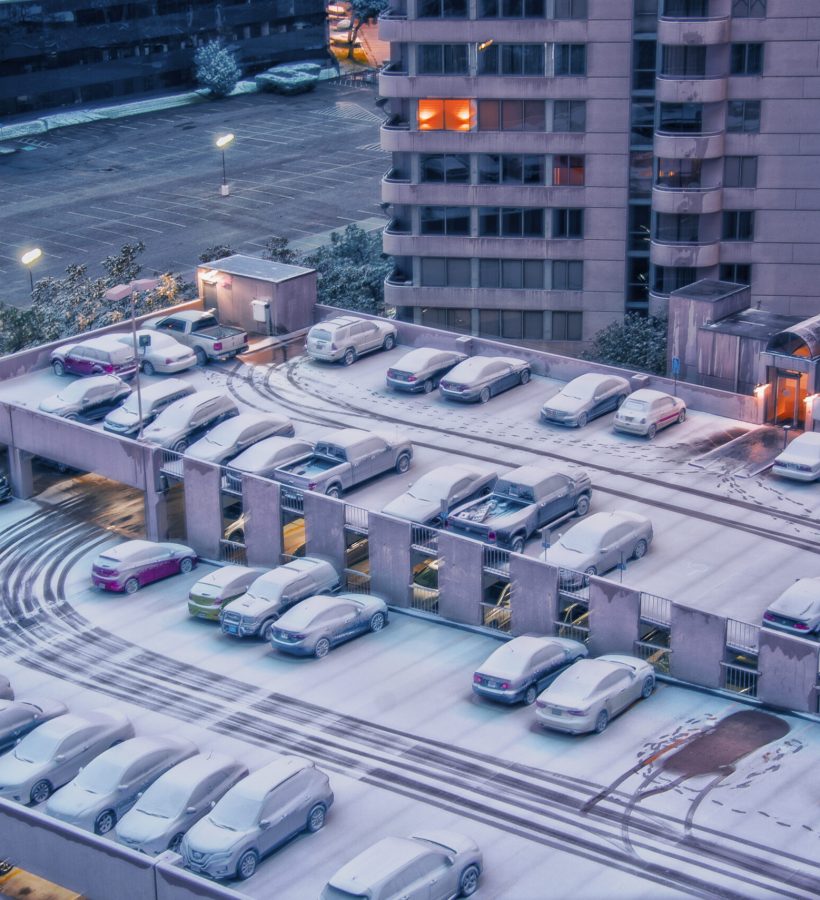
[[431, 115], [447, 115], [760, 391], [223, 141], [484, 45], [810, 399], [31, 256], [211, 276]]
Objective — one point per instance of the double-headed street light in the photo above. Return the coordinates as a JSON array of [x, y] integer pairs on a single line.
[[222, 143], [28, 259]]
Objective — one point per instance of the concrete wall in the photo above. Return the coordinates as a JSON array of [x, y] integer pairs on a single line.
[[263, 527], [614, 617], [788, 668], [291, 301], [203, 506], [390, 566], [460, 578], [697, 642], [325, 528], [534, 596]]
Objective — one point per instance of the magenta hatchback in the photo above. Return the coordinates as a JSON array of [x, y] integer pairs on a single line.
[[132, 564]]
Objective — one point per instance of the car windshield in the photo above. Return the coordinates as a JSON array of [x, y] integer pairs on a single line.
[[427, 578], [581, 541], [321, 335], [433, 486], [165, 801], [264, 590], [579, 390], [131, 405], [100, 776], [635, 406], [74, 391], [236, 812], [37, 747]]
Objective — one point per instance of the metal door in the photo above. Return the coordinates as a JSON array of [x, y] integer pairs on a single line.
[[789, 397], [209, 295]]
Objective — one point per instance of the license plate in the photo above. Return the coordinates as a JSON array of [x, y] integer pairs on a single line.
[[556, 712], [231, 629]]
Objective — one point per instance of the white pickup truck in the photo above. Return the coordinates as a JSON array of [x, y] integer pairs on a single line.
[[201, 331]]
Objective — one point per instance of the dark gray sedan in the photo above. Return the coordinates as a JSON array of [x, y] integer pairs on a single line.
[[482, 377], [422, 369], [87, 399], [315, 625], [19, 717], [585, 398]]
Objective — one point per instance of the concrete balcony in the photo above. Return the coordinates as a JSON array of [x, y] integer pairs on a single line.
[[396, 244], [436, 194], [686, 200], [397, 84], [669, 89], [688, 146], [696, 256], [409, 294], [404, 139], [474, 31], [693, 32]]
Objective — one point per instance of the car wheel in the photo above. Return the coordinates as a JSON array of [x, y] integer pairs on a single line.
[[58, 367], [484, 396], [582, 505], [468, 883], [582, 420], [681, 417], [316, 819], [524, 377], [389, 342], [530, 694], [132, 586], [602, 721], [640, 550], [106, 820], [246, 865], [350, 357], [427, 387], [180, 446], [267, 628], [402, 463], [322, 648], [186, 564], [148, 368], [377, 622], [517, 545], [651, 431], [201, 356], [41, 791], [648, 687], [176, 842], [333, 490]]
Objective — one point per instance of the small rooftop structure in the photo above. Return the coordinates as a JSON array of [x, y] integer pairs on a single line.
[[254, 267]]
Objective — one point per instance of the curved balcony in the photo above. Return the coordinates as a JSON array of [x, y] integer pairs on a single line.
[[703, 145], [686, 199], [473, 31], [709, 31], [400, 137], [463, 194], [405, 244], [673, 89], [695, 256]]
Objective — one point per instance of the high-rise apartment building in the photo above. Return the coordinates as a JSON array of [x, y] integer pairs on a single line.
[[557, 163]]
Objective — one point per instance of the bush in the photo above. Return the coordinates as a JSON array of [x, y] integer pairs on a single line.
[[216, 68], [639, 342]]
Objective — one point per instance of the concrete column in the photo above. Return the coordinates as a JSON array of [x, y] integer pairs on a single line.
[[154, 502], [614, 617], [698, 646], [390, 566], [534, 595], [263, 521], [202, 484], [788, 668], [460, 578], [20, 473], [325, 528]]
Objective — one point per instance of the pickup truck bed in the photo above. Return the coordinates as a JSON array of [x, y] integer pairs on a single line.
[[490, 508], [315, 465]]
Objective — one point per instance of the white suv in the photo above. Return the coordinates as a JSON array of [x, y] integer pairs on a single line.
[[346, 338]]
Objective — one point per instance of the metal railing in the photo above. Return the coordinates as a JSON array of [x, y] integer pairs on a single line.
[[423, 538], [356, 518], [231, 481], [572, 630], [292, 501], [740, 679], [425, 599], [496, 561], [742, 636], [655, 609], [574, 585], [655, 654], [233, 552], [171, 463], [356, 582]]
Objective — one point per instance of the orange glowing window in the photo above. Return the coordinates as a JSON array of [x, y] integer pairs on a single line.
[[446, 115], [431, 115]]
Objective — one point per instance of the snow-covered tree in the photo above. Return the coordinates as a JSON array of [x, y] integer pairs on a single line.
[[639, 342], [216, 68], [360, 12]]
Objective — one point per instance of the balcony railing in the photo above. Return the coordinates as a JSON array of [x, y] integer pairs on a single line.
[[656, 610], [742, 636], [740, 679], [356, 518], [496, 561], [394, 68], [171, 464], [292, 501], [395, 175], [423, 538]]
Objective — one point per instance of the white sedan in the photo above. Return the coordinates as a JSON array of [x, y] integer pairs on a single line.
[[593, 691], [801, 459], [646, 412], [234, 435], [162, 353], [433, 496]]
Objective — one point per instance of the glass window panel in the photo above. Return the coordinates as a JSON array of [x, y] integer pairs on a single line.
[[533, 114], [459, 115], [489, 168], [511, 222], [489, 273], [533, 222], [429, 59], [533, 274], [512, 325], [430, 115], [743, 116], [432, 167], [533, 169], [458, 272], [533, 325], [512, 172], [512, 273], [459, 319], [488, 221], [433, 220], [458, 220], [488, 322], [488, 118], [512, 115], [434, 272]]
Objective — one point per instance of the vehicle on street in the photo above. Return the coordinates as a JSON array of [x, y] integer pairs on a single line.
[[522, 501], [257, 815], [103, 355], [201, 331], [161, 354], [422, 369], [797, 609], [6, 690], [186, 420], [87, 399], [228, 439], [646, 412], [430, 499], [314, 626], [211, 594], [481, 377], [53, 754], [585, 398], [5, 488], [592, 692], [599, 544], [436, 865], [520, 669], [176, 800], [801, 459], [262, 458], [133, 564], [153, 399], [110, 784], [19, 717], [346, 338], [253, 614], [343, 459]]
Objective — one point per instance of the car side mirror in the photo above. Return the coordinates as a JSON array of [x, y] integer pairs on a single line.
[[190, 810], [140, 793], [59, 758], [264, 823]]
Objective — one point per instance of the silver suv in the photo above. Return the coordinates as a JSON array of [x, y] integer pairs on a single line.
[[346, 338]]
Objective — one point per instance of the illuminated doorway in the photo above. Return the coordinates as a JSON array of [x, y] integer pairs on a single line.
[[790, 389]]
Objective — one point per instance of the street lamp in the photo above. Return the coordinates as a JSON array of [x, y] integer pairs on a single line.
[[222, 143], [28, 259]]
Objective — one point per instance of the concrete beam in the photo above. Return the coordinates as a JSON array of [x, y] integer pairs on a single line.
[[788, 667], [614, 617], [534, 595], [202, 484], [21, 476], [390, 564], [263, 521], [697, 641], [460, 578], [154, 501]]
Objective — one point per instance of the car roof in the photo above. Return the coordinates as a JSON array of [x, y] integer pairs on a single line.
[[189, 315], [260, 783], [193, 401], [124, 753], [129, 549], [304, 612], [421, 357], [237, 424], [299, 566], [377, 863], [340, 321], [259, 455], [345, 437], [532, 475], [102, 342], [647, 395], [807, 589], [165, 388], [191, 771], [475, 364], [599, 523], [804, 447], [226, 574], [593, 378], [585, 673]]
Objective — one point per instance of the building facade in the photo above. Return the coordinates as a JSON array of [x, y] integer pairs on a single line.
[[56, 53], [557, 163]]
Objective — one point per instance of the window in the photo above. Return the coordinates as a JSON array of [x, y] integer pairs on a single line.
[[567, 223], [446, 115], [442, 9], [567, 275], [445, 272], [739, 273], [440, 317], [512, 59], [642, 124], [740, 171], [747, 59], [640, 173], [570, 59], [743, 116], [567, 326], [511, 115], [441, 59], [510, 273], [447, 168], [510, 9], [569, 115], [570, 9], [677, 229], [567, 170], [683, 61], [510, 169], [449, 220], [640, 217], [511, 323], [510, 221], [670, 278], [738, 225], [749, 9], [681, 118], [643, 64], [686, 9], [678, 173]]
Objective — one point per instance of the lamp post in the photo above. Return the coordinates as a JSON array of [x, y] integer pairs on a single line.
[[137, 359], [28, 259], [222, 142]]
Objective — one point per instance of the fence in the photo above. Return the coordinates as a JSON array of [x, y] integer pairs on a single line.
[[740, 679], [356, 518], [233, 552], [656, 610], [424, 599], [573, 585], [742, 636], [231, 481], [171, 464], [357, 582], [655, 654], [497, 561], [292, 501], [424, 539]]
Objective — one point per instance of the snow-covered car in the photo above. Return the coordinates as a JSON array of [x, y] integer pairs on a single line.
[[6, 690], [53, 754], [598, 544], [257, 815], [231, 437], [518, 670], [103, 355], [262, 458], [176, 800], [593, 691], [186, 420], [797, 609], [801, 459], [5, 488], [315, 625], [161, 354], [481, 377], [132, 564], [346, 338], [436, 493], [87, 399], [646, 412], [19, 717], [211, 594], [585, 398], [152, 399], [437, 865], [112, 782], [422, 369]]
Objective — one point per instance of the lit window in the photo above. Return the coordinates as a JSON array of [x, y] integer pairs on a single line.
[[446, 115]]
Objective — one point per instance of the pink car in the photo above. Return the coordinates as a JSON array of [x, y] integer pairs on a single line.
[[132, 564]]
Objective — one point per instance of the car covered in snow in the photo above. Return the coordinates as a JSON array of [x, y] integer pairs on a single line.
[[801, 459], [346, 338], [797, 609], [151, 400], [262, 458], [211, 594], [133, 564], [103, 355], [421, 370], [19, 717], [87, 399], [429, 499], [481, 377], [646, 411], [159, 353], [228, 439], [585, 397]]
